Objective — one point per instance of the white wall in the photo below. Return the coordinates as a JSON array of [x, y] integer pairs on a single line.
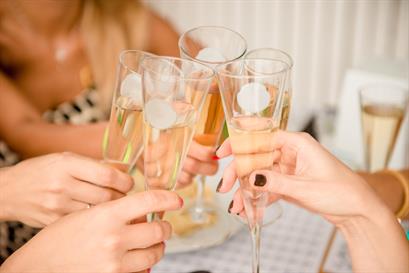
[[324, 37]]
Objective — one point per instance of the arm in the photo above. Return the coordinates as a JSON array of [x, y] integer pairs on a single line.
[[24, 130], [162, 37], [388, 188], [376, 242]]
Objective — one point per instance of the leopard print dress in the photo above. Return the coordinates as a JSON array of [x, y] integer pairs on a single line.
[[83, 109]]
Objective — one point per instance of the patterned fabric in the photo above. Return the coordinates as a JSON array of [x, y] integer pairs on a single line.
[[84, 109]]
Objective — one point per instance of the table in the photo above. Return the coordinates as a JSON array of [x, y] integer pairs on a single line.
[[295, 243]]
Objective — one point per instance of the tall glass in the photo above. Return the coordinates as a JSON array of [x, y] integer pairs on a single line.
[[383, 108], [174, 91], [210, 45], [123, 143], [252, 93], [277, 54]]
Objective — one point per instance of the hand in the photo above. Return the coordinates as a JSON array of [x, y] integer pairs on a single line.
[[200, 160], [39, 191], [306, 174], [100, 239]]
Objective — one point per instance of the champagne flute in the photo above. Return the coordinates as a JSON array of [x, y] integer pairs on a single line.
[[277, 54], [174, 91], [383, 107], [252, 93], [123, 143], [210, 45]]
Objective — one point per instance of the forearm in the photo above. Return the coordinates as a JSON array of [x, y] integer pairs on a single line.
[[376, 244], [388, 188], [38, 138]]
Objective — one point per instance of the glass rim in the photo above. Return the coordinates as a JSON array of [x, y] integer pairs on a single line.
[[125, 52], [258, 76], [184, 34], [168, 58], [291, 64]]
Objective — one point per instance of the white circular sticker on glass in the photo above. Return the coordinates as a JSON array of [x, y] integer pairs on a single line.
[[210, 54], [131, 87], [160, 114], [253, 97]]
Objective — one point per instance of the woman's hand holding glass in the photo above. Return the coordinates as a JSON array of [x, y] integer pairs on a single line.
[[307, 175], [39, 191], [100, 239]]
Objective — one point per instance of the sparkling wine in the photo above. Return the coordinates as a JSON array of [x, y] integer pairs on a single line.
[[252, 148], [381, 124], [286, 111], [210, 123], [123, 141], [165, 149]]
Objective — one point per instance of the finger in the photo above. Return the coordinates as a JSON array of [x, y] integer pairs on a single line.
[[273, 182], [201, 152], [194, 166], [229, 178], [140, 259], [184, 179], [153, 233], [225, 149], [138, 204], [91, 194], [96, 173], [74, 206], [237, 205]]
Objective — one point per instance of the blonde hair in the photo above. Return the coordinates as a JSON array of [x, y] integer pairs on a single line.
[[107, 28]]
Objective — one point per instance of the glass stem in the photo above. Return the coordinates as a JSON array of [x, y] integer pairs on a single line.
[[201, 183], [255, 240], [152, 217]]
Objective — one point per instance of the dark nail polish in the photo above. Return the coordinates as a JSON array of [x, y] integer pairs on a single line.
[[260, 180], [230, 206], [219, 185]]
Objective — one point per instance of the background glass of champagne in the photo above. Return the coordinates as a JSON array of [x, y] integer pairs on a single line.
[[252, 93], [210, 45], [123, 143], [174, 91], [279, 55], [383, 107]]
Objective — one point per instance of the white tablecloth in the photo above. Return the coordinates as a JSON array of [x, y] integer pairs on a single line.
[[295, 243]]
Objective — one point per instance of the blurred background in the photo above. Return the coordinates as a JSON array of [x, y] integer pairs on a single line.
[[337, 46]]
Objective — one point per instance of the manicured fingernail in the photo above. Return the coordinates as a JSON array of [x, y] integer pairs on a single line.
[[149, 270], [182, 202], [230, 206], [260, 180], [215, 157], [219, 185]]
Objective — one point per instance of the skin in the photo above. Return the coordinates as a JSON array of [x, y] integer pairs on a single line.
[[94, 242], [388, 188], [41, 190], [307, 175], [32, 80]]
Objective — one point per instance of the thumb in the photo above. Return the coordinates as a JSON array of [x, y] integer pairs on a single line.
[[274, 182]]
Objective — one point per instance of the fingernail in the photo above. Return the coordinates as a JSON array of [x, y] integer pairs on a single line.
[[182, 202], [219, 185], [260, 180], [215, 157], [149, 270], [230, 206]]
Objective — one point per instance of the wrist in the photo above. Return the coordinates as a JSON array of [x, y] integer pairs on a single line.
[[376, 241]]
